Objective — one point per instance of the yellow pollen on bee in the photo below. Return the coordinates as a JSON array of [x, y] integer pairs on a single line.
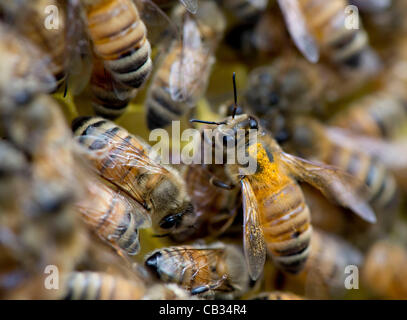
[[270, 171]]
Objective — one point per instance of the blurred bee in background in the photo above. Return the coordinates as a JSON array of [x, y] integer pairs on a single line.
[[379, 115], [321, 26], [126, 161], [324, 272], [245, 9], [284, 228], [286, 87], [277, 295], [101, 286], [217, 270], [114, 217], [119, 38], [384, 270], [182, 75], [264, 37], [65, 44], [312, 140]]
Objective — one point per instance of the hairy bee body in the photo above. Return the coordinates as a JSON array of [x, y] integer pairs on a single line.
[[202, 269], [126, 162], [119, 39], [101, 286], [285, 218], [326, 20], [381, 115]]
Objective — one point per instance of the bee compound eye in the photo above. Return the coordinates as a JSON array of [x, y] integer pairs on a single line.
[[168, 222], [253, 124]]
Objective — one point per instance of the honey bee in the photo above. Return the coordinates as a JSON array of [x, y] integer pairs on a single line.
[[126, 161], [182, 75], [217, 270], [277, 295], [379, 115], [324, 274], [316, 25], [101, 286], [112, 216], [245, 9], [288, 86], [275, 213], [383, 270], [110, 98], [317, 142], [119, 38]]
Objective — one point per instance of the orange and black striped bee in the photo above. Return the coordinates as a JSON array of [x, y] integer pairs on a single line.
[[129, 164], [119, 38], [321, 26], [275, 213]]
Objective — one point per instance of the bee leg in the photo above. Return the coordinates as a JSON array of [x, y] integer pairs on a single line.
[[218, 183], [208, 287]]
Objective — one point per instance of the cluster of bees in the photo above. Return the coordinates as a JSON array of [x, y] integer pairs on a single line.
[[328, 106]]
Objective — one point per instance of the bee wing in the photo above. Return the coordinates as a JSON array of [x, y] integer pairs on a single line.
[[298, 29], [160, 27], [191, 5], [393, 154], [333, 182], [190, 72], [96, 190], [78, 53], [253, 240]]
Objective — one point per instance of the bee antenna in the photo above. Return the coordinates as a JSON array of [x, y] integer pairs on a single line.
[[207, 122], [235, 95]]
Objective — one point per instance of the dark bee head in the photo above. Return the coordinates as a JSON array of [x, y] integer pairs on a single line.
[[153, 261]]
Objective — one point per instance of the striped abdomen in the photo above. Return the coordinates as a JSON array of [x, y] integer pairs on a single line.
[[182, 75], [327, 22], [101, 286], [119, 38], [383, 188], [121, 160], [286, 226], [378, 115], [110, 98], [111, 216], [278, 295]]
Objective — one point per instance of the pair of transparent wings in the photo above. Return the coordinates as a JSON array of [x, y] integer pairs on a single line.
[[334, 183]]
